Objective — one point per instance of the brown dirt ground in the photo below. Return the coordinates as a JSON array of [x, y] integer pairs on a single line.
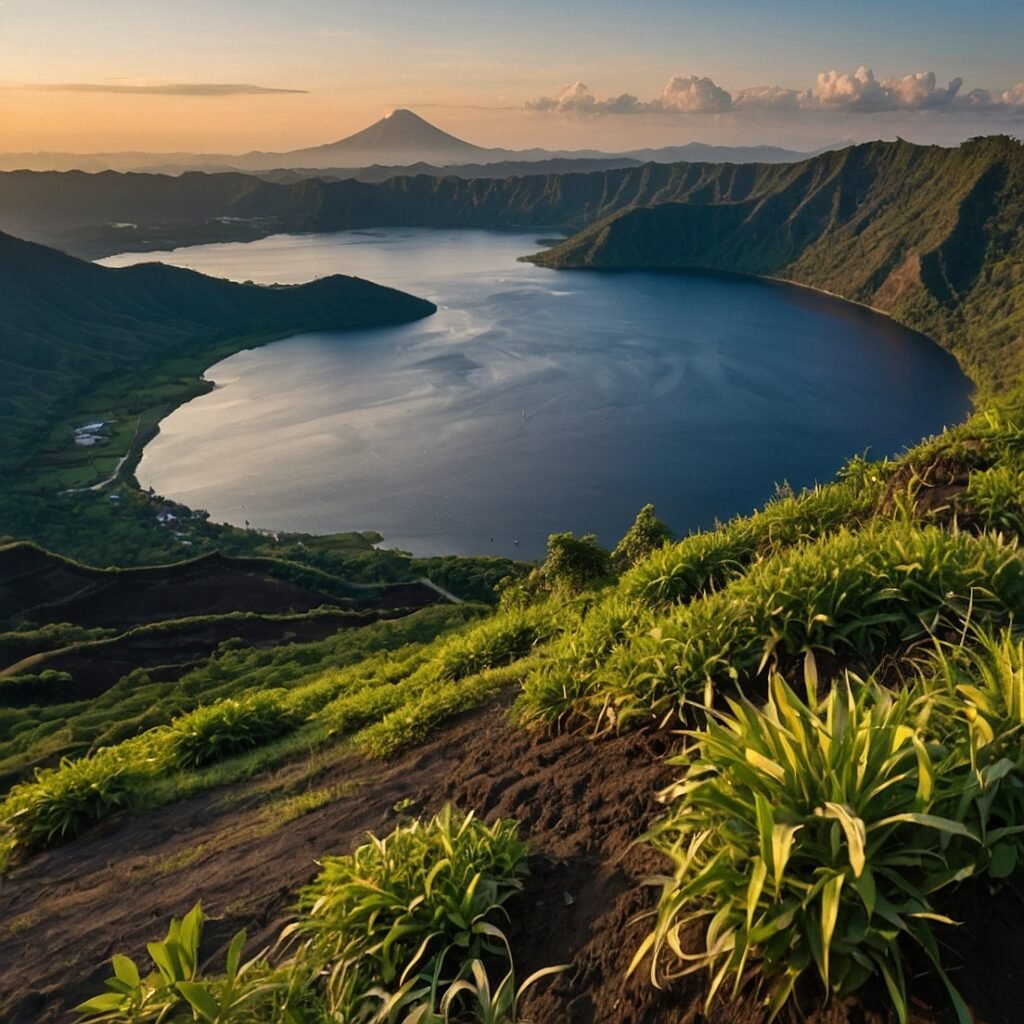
[[581, 803]]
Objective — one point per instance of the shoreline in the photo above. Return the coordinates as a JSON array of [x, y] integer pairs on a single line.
[[785, 282], [970, 385]]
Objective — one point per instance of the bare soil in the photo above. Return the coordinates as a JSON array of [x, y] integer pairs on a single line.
[[581, 802]]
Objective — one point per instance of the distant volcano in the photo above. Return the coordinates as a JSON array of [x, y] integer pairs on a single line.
[[399, 139]]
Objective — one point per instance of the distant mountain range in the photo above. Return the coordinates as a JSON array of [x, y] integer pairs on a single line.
[[393, 144]]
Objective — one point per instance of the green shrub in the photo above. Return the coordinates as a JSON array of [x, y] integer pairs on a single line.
[[854, 595], [977, 690], [499, 640], [231, 726], [61, 802], [394, 908], [174, 991], [702, 562], [647, 534], [997, 497], [556, 686], [422, 710], [809, 839]]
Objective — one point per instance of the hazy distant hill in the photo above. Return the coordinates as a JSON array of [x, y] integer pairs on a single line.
[[402, 139], [66, 323], [701, 152]]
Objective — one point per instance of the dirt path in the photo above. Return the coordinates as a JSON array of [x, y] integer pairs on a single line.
[[581, 803], [446, 594]]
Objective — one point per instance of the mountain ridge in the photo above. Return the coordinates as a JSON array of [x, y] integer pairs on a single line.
[[67, 324], [401, 138]]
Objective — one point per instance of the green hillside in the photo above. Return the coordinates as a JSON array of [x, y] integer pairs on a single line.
[[934, 237], [68, 324], [770, 771]]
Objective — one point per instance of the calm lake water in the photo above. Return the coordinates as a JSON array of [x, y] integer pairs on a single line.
[[535, 400]]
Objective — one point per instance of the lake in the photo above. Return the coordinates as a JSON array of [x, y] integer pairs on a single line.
[[535, 400]]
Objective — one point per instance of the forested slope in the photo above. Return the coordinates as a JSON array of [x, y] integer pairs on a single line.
[[934, 237], [66, 323]]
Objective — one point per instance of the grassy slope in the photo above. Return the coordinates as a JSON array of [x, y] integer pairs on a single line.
[[933, 236]]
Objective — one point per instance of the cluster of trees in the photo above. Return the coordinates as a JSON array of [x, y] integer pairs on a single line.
[[575, 564]]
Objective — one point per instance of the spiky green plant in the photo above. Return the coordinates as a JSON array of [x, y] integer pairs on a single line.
[[174, 990], [384, 914], [854, 595], [62, 802], [977, 686], [806, 837], [997, 497]]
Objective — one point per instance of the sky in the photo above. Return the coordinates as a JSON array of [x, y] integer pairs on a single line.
[[230, 76]]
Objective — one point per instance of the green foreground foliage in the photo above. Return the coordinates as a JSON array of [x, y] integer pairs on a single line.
[[813, 834], [816, 835], [818, 824], [405, 929]]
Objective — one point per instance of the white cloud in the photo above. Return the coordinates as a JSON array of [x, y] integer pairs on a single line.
[[772, 97], [859, 92], [578, 99], [681, 95], [919, 92], [1014, 97], [691, 95], [1009, 101]]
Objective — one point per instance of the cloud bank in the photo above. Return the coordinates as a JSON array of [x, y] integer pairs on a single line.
[[859, 92], [171, 89]]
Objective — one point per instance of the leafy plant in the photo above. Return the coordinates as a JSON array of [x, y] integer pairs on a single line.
[[62, 802], [977, 685], [807, 836], [174, 991], [230, 726], [385, 914], [997, 497], [853, 595]]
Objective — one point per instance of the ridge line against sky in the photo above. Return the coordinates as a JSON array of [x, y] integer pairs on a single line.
[[105, 75]]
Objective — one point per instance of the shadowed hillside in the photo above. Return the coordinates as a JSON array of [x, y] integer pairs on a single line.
[[67, 323]]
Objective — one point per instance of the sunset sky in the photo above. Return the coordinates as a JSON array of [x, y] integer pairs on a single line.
[[234, 75]]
